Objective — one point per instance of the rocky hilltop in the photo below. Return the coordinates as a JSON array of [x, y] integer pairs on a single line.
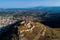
[[37, 31], [32, 30]]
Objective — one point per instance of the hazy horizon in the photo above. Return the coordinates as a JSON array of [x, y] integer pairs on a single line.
[[27, 3]]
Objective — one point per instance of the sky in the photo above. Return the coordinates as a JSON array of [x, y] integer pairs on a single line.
[[27, 3]]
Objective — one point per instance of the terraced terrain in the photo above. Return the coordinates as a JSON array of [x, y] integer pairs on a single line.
[[37, 31]]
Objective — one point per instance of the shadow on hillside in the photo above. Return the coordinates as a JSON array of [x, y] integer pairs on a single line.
[[9, 34]]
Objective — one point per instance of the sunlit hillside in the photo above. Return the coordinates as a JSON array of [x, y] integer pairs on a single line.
[[32, 30]]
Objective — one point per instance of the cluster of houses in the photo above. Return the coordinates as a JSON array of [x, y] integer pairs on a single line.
[[6, 21]]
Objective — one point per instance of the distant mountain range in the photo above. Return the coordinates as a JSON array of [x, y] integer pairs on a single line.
[[40, 8]]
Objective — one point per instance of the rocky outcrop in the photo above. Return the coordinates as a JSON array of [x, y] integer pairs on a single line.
[[32, 30], [38, 31]]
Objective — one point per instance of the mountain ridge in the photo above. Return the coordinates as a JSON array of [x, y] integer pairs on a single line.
[[38, 8]]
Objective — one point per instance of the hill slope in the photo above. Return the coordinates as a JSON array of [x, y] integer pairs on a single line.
[[39, 32]]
